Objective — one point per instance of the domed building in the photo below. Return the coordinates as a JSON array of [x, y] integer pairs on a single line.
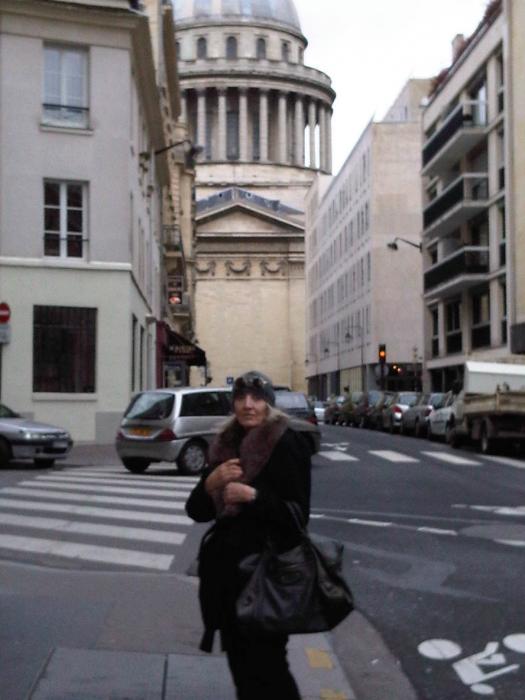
[[263, 121]]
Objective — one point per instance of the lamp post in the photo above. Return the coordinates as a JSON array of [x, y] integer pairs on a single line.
[[393, 244]]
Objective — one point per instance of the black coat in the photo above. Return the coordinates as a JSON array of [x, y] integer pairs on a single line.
[[285, 477]]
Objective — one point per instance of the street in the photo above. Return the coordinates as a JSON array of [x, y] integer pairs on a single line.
[[95, 558]]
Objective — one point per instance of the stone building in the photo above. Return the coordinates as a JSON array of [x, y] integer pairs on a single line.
[[363, 266], [263, 121], [471, 260], [81, 220]]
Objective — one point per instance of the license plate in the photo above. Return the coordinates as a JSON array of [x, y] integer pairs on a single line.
[[140, 432], [60, 444]]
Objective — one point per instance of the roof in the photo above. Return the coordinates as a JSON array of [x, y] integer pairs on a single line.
[[274, 11]]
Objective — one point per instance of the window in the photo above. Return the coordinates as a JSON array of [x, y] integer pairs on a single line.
[[231, 47], [209, 403], [64, 349], [202, 47], [261, 48], [434, 318], [453, 320], [301, 55], [480, 319], [65, 87], [232, 126], [285, 51], [64, 219], [151, 406]]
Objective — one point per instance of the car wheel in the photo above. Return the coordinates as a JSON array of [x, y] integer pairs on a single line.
[[391, 427], [192, 459], [417, 429], [5, 453], [135, 465], [44, 463], [362, 422], [402, 430], [451, 436]]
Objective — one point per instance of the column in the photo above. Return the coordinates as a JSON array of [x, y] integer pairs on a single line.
[[329, 139], [299, 130], [221, 124], [201, 118], [184, 107], [283, 98], [263, 125], [312, 120], [243, 124], [322, 137]]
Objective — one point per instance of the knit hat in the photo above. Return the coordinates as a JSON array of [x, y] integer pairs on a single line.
[[255, 383]]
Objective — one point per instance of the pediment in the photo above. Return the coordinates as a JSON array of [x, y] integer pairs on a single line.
[[239, 218]]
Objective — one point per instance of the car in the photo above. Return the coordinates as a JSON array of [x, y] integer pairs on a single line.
[[441, 420], [393, 413], [347, 410], [177, 425], [295, 403], [319, 408], [21, 438], [333, 409], [415, 420], [376, 412], [362, 416]]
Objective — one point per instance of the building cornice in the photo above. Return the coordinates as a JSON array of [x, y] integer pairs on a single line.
[[252, 23]]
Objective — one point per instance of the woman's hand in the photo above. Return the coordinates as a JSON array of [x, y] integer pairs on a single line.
[[224, 474], [235, 493]]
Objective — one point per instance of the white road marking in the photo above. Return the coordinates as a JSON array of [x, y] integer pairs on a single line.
[[372, 523], [437, 531], [68, 526], [125, 474], [123, 490], [167, 484], [336, 456], [439, 649], [514, 511], [87, 498], [74, 550], [93, 511], [508, 461], [452, 459], [392, 456], [512, 543]]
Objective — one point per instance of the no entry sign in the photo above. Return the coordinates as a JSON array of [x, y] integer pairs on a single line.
[[5, 312]]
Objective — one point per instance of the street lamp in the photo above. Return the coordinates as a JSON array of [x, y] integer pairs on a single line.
[[190, 153], [393, 244]]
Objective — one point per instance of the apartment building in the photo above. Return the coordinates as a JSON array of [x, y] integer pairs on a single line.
[[468, 294], [363, 262], [81, 223]]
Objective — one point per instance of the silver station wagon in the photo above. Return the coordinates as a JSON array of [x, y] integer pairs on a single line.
[[177, 425]]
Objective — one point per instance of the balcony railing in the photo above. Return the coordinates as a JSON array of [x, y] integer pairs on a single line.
[[467, 189], [467, 116], [470, 260]]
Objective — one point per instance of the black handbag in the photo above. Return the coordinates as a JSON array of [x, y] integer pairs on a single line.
[[298, 591]]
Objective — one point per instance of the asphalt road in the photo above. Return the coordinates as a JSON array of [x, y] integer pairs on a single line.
[[435, 554], [435, 544]]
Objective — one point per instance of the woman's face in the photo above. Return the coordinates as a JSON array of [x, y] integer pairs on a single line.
[[250, 411]]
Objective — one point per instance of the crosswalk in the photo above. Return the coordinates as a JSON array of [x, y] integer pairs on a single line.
[[97, 514], [339, 453]]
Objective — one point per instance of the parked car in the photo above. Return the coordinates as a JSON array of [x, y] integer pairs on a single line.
[[440, 420], [21, 438], [347, 410], [364, 407], [393, 413], [415, 419], [376, 412], [333, 409], [177, 425], [295, 404], [319, 408]]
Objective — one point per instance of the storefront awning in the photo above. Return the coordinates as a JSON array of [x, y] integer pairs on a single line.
[[180, 349]]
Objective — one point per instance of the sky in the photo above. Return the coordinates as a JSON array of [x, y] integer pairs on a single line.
[[370, 48]]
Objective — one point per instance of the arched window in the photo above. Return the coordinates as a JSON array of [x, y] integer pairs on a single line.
[[231, 47], [285, 51], [261, 48], [202, 47], [177, 48]]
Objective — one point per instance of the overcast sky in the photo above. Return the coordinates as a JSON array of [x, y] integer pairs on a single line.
[[370, 48]]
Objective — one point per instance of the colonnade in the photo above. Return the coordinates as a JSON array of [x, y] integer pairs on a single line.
[[269, 125]]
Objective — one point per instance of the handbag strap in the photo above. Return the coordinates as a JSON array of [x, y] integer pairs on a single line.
[[297, 515]]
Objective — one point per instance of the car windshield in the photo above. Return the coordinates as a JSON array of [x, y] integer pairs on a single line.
[[150, 406], [7, 412], [290, 399], [407, 399], [436, 400], [373, 397]]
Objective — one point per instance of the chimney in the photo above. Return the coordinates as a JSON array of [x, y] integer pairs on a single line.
[[458, 44]]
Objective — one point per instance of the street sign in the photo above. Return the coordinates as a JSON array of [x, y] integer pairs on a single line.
[[5, 312], [5, 333], [229, 380]]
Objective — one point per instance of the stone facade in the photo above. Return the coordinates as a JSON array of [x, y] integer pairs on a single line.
[[263, 120], [360, 292]]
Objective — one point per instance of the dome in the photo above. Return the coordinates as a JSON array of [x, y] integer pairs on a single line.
[[273, 11]]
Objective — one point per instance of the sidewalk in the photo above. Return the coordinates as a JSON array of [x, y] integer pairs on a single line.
[[78, 674]]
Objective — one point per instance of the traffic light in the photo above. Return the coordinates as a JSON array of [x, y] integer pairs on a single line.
[[382, 354]]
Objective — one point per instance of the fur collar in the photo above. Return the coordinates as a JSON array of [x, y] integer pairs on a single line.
[[253, 448]]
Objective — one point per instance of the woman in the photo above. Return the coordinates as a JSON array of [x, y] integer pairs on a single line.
[[256, 464]]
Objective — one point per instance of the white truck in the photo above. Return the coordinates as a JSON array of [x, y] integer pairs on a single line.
[[491, 406]]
